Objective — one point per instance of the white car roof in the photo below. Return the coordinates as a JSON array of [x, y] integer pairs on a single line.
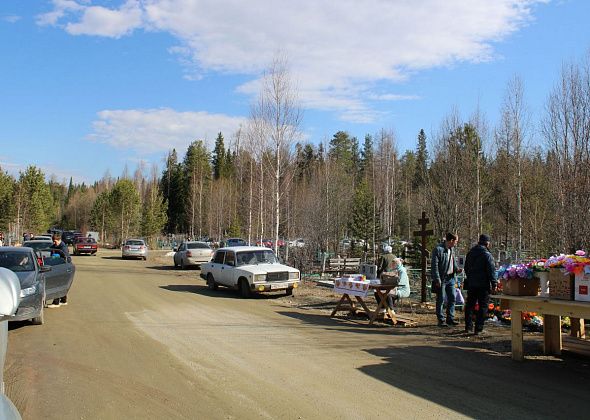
[[245, 248]]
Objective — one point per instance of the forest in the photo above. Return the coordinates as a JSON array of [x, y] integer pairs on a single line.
[[525, 182]]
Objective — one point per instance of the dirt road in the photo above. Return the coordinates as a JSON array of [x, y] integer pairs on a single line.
[[141, 340]]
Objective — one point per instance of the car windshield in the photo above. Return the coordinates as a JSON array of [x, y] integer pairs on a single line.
[[198, 245], [17, 261], [86, 240], [38, 245], [134, 243], [256, 257]]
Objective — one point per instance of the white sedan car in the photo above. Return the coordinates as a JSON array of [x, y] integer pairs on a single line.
[[249, 269], [192, 253]]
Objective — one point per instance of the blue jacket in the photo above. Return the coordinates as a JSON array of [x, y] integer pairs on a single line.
[[480, 269], [439, 263]]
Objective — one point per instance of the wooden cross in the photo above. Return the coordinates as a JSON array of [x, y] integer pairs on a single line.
[[424, 234]]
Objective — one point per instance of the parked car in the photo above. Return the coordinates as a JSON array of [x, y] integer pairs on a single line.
[[40, 283], [9, 300], [41, 237], [268, 243], [39, 244], [249, 269], [234, 242], [68, 236], [134, 248], [297, 243], [85, 246], [192, 253]]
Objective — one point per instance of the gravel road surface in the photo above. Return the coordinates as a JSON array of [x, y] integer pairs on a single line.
[[139, 339]]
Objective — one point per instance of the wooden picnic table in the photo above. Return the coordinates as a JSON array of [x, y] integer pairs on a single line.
[[552, 311], [347, 304]]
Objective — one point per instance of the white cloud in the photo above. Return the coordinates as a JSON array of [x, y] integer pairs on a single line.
[[157, 130], [333, 47], [10, 18]]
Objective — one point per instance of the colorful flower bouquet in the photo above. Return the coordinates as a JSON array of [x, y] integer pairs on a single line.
[[538, 266], [573, 263], [515, 271], [518, 280]]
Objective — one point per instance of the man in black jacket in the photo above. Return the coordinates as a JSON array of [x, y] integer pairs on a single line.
[[480, 270]]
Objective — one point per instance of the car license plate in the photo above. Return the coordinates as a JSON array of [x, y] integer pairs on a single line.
[[279, 286], [87, 247]]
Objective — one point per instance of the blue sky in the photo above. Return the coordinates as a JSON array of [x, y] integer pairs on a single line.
[[93, 86]]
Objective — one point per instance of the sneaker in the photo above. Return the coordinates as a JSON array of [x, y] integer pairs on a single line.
[[478, 331], [452, 322], [53, 305], [468, 329], [442, 324]]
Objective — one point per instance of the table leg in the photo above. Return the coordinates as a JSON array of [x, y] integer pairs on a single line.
[[364, 305], [382, 304], [342, 299], [517, 344], [578, 329], [552, 334]]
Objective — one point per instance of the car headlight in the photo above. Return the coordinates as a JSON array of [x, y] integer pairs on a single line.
[[294, 276], [259, 277], [28, 291]]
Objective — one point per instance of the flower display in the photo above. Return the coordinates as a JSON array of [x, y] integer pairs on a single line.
[[574, 263], [515, 271], [539, 265]]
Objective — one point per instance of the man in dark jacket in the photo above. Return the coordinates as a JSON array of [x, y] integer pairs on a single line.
[[443, 267], [59, 245], [480, 270]]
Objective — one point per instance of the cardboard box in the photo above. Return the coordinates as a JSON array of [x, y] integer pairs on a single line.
[[561, 284], [521, 287], [582, 287]]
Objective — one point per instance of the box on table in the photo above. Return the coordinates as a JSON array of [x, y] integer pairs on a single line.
[[582, 287], [561, 284], [521, 287]]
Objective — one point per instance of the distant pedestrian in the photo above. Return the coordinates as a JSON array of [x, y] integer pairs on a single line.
[[480, 270], [443, 268], [27, 236]]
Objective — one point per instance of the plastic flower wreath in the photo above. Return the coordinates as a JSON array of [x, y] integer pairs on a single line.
[[538, 265], [515, 271], [576, 263]]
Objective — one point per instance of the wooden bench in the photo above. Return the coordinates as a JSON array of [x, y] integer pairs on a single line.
[[343, 265]]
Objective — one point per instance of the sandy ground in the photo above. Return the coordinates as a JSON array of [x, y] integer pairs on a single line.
[[142, 340]]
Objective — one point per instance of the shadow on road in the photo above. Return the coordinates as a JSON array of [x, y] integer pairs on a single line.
[[482, 384], [222, 292], [163, 268]]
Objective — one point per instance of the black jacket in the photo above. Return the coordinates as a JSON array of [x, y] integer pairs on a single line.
[[480, 268]]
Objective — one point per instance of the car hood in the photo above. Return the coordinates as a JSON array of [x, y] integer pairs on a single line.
[[267, 268], [27, 278]]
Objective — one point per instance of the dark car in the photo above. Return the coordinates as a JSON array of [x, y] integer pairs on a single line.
[[68, 236], [85, 246], [49, 281], [234, 242]]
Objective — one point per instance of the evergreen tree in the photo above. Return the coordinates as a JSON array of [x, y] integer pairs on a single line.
[[219, 160], [367, 155], [171, 186], [421, 173], [36, 207], [7, 208], [125, 205], [363, 223], [154, 216], [196, 173]]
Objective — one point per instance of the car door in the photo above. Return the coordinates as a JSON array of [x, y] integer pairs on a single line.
[[59, 279], [217, 265], [228, 269], [178, 254]]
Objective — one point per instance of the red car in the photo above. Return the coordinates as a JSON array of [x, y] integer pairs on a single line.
[[85, 246]]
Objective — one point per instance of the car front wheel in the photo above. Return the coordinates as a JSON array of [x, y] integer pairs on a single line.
[[38, 320], [211, 285], [245, 291]]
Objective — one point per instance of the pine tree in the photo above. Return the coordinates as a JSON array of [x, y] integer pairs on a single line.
[[219, 160], [421, 174]]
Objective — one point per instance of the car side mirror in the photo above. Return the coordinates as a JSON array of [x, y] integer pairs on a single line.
[[69, 259], [175, 249], [9, 292]]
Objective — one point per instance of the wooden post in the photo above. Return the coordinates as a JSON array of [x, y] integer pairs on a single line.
[[424, 234]]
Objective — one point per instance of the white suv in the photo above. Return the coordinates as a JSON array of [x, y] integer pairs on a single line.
[[249, 269]]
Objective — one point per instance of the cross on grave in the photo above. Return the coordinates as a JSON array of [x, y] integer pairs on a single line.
[[424, 234]]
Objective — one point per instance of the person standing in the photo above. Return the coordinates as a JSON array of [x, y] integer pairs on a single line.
[[443, 268], [59, 245], [386, 262], [480, 269]]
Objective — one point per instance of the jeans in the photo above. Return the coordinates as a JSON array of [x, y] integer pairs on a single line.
[[448, 289], [481, 296]]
